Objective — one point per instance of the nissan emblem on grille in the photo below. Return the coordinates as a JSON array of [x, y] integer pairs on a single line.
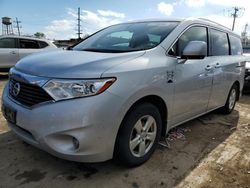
[[16, 89], [27, 94]]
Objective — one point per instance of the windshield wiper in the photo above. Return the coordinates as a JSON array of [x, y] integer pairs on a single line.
[[110, 50], [102, 50]]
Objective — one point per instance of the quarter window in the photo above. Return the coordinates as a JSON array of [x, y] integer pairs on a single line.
[[236, 46], [28, 44], [7, 43], [219, 42], [196, 33]]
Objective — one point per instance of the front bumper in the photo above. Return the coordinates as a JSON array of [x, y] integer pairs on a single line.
[[55, 127]]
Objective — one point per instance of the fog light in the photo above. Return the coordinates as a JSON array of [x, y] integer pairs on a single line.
[[75, 143]]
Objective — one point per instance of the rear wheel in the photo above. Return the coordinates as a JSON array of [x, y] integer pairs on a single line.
[[139, 134], [231, 100]]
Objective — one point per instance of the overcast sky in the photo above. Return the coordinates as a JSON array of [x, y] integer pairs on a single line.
[[57, 18]]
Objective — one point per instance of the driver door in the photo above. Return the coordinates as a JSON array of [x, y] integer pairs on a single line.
[[193, 78]]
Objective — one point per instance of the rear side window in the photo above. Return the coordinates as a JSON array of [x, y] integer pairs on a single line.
[[28, 44], [196, 33], [236, 46], [219, 43], [43, 44], [7, 43]]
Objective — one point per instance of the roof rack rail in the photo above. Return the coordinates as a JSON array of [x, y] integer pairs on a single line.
[[205, 19]]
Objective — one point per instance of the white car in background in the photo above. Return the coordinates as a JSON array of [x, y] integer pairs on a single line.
[[14, 48]]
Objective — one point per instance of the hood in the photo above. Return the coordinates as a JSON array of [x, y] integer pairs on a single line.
[[72, 64]]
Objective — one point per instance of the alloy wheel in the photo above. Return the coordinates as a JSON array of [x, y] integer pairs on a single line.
[[143, 136], [232, 99]]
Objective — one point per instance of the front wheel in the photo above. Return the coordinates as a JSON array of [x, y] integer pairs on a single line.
[[231, 100], [139, 134]]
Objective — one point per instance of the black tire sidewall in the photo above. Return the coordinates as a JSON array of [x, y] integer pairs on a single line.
[[123, 152], [226, 109]]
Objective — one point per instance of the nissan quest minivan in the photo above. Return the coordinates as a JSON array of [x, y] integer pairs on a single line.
[[119, 91]]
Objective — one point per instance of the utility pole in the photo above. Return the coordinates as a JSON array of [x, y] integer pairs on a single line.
[[235, 12], [79, 24], [236, 9], [18, 26]]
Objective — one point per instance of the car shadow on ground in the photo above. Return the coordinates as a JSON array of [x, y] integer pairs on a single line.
[[23, 164]]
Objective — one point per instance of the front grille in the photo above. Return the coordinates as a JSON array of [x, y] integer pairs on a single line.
[[28, 94]]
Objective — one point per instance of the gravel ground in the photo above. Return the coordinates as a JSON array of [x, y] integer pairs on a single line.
[[215, 153]]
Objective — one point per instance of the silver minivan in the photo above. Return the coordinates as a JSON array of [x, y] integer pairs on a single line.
[[119, 91]]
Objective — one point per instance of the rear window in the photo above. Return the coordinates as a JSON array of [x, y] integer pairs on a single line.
[[28, 44], [7, 43], [236, 46], [219, 42]]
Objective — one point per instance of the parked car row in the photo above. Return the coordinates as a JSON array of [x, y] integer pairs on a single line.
[[14, 48]]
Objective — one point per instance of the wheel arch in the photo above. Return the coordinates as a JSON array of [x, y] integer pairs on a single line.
[[156, 101]]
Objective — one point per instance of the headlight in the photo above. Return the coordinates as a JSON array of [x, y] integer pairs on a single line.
[[68, 89]]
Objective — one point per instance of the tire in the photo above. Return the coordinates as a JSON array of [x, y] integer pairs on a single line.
[[138, 136], [231, 100]]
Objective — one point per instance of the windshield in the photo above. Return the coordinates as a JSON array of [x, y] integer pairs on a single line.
[[127, 37]]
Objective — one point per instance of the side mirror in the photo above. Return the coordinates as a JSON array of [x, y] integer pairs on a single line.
[[195, 50]]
